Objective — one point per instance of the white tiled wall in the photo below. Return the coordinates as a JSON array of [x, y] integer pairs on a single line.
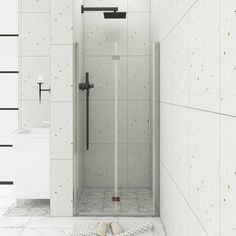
[[197, 115], [34, 62], [132, 35], [61, 108]]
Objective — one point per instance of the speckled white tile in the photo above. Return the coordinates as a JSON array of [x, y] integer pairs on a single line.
[[61, 130], [166, 200], [180, 214], [35, 5], [100, 38], [35, 34], [33, 113], [61, 73], [179, 8], [228, 175], [9, 54], [195, 227], [166, 80], [121, 4], [61, 188], [61, 22], [101, 71], [99, 165], [204, 168], [138, 34], [139, 5], [204, 56], [228, 51], [180, 56], [102, 120], [139, 165], [139, 78], [31, 69], [138, 122], [9, 14], [180, 143]]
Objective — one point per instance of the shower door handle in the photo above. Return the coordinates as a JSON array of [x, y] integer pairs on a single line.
[[86, 86]]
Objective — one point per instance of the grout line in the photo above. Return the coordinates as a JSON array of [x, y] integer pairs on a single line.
[[198, 109], [220, 118], [177, 187], [178, 22]]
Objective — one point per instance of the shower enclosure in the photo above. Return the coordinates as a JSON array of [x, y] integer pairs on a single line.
[[115, 122]]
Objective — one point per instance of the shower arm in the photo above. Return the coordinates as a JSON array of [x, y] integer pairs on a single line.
[[83, 9]]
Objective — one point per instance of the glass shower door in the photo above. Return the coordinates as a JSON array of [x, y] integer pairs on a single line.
[[117, 159]]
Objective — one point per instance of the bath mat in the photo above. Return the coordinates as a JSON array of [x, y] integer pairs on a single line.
[[88, 229]]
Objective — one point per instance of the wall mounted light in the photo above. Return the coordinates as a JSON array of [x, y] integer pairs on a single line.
[[40, 82]]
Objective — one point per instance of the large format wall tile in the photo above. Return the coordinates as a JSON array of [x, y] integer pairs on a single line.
[[102, 120], [9, 14], [180, 60], [166, 130], [61, 21], [138, 34], [228, 52], [61, 187], [139, 5], [204, 168], [100, 164], [204, 55], [61, 73], [195, 227], [139, 78], [180, 154], [35, 34], [102, 73], [139, 165], [31, 69], [138, 122], [228, 175], [166, 81], [35, 5], [61, 130], [101, 35], [34, 113], [167, 200]]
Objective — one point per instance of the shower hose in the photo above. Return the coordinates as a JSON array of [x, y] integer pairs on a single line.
[[132, 232]]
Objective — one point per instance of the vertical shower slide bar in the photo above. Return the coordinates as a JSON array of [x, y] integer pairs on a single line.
[[115, 58]]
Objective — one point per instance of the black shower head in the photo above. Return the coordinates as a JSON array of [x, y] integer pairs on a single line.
[[114, 15]]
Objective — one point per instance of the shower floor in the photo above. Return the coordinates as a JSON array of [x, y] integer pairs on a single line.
[[133, 201]]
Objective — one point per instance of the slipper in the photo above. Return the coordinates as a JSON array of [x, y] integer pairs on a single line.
[[116, 228], [101, 229]]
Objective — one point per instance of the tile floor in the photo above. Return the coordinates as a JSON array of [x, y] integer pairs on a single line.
[[29, 208], [54, 226], [63, 226], [134, 201]]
